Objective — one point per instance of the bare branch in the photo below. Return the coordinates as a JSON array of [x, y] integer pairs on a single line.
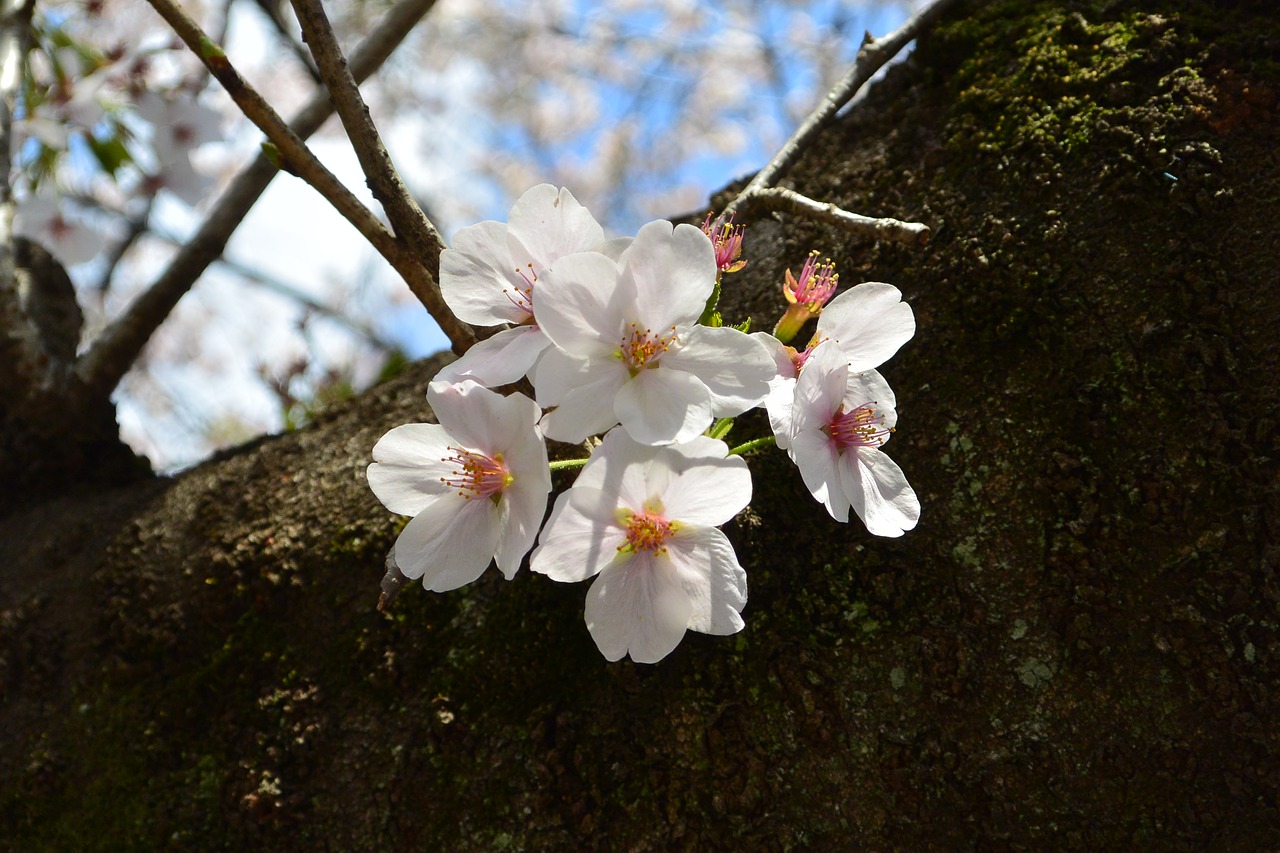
[[294, 155], [872, 56], [895, 230], [100, 369], [136, 226], [411, 225]]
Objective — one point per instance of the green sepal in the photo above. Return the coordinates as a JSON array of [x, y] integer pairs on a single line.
[[710, 317]]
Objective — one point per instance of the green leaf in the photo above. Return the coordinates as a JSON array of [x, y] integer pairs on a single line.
[[110, 152]]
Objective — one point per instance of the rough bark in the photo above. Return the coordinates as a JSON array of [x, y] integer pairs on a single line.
[[1077, 648]]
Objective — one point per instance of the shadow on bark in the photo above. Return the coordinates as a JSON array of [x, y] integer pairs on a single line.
[[1077, 648]]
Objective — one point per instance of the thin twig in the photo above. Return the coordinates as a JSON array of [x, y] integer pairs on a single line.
[[294, 155], [894, 230], [872, 56], [410, 223], [100, 369], [136, 226]]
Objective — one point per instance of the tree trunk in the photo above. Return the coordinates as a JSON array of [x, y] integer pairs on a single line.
[[1077, 648]]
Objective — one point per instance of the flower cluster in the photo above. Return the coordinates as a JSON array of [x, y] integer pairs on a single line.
[[615, 339]]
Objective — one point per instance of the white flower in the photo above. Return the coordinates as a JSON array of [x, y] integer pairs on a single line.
[[629, 351], [476, 484], [40, 219], [644, 519], [180, 124], [839, 420], [488, 278], [869, 322]]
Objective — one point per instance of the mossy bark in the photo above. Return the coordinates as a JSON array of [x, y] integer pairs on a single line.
[[1078, 647]]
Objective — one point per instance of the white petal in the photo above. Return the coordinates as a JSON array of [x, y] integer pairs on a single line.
[[870, 387], [613, 249], [820, 388], [816, 457], [626, 472], [784, 367], [638, 605], [712, 579], [879, 492], [660, 406], [579, 305], [525, 507], [499, 360], [586, 409], [710, 492], [782, 396], [407, 467], [550, 223], [580, 538], [479, 419], [526, 496], [478, 278], [870, 321], [671, 272], [450, 543], [736, 368]]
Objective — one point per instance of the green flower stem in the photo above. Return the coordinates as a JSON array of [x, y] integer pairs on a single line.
[[564, 464], [720, 428], [747, 447]]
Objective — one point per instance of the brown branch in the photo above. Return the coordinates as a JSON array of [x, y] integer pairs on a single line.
[[872, 56], [100, 369], [294, 155], [894, 230], [411, 225]]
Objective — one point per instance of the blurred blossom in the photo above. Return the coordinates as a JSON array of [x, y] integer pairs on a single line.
[[42, 220]]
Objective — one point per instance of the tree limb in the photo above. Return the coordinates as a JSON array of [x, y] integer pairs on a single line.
[[100, 369], [294, 155], [411, 225]]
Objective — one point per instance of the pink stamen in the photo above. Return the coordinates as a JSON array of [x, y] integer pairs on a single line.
[[815, 286], [862, 427], [522, 297], [727, 240], [477, 475]]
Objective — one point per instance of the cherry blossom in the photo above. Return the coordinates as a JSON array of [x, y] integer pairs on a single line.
[[726, 239], [839, 421], [628, 347], [868, 322], [180, 124], [489, 275], [644, 520], [476, 484], [41, 220], [806, 295]]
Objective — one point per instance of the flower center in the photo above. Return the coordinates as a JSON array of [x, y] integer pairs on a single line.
[[476, 475], [862, 427], [648, 531], [640, 348], [522, 297]]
